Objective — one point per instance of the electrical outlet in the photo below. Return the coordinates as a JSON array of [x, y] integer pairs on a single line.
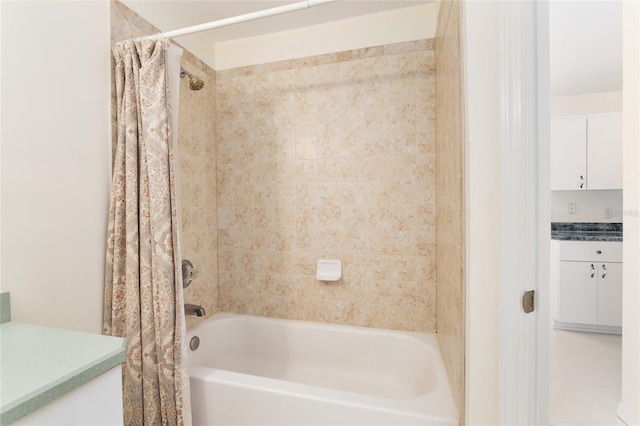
[[571, 207]]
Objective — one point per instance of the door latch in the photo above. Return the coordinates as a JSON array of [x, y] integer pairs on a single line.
[[528, 301]]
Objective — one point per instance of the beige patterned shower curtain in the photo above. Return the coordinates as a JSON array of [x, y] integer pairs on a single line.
[[143, 283]]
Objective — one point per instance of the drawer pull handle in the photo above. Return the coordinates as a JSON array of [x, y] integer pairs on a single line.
[[581, 181], [599, 252], [604, 271], [593, 271]]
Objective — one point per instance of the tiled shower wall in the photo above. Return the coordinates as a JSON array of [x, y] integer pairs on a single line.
[[330, 157], [196, 163], [450, 195]]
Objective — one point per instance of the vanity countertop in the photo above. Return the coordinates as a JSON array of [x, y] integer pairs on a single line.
[[39, 364], [570, 231]]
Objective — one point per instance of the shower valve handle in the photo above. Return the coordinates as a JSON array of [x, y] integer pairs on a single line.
[[189, 273]]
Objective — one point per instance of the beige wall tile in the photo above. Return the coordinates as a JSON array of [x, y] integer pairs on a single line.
[[344, 167], [449, 149]]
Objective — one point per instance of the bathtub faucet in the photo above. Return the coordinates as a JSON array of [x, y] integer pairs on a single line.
[[198, 310]]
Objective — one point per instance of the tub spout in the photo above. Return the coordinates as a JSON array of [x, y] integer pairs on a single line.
[[197, 310]]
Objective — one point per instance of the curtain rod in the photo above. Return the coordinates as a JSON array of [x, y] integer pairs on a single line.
[[306, 4]]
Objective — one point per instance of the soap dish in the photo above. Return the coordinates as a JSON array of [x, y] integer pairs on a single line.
[[329, 270]]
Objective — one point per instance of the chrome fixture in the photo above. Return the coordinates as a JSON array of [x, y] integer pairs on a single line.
[[189, 273], [194, 343], [197, 310], [195, 83]]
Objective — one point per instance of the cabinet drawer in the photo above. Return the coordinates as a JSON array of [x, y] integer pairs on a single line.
[[590, 251]]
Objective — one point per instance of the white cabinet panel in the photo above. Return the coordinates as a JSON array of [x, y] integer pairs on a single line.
[[586, 152], [97, 402], [610, 294], [577, 292], [568, 153], [587, 282], [604, 151], [589, 251]]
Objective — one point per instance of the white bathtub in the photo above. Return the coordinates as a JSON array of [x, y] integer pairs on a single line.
[[263, 371]]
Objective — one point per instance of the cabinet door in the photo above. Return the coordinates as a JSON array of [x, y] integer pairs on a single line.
[[577, 292], [569, 153], [604, 152], [610, 294]]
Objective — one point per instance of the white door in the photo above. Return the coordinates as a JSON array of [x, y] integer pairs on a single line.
[[604, 151], [578, 292], [610, 294], [568, 153]]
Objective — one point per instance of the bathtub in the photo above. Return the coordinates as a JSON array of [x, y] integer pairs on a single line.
[[262, 371]]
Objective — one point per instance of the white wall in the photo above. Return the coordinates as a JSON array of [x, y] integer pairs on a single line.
[[412, 23], [0, 148], [629, 408], [591, 206], [481, 58], [55, 82]]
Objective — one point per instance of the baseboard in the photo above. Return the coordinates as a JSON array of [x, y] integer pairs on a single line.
[[626, 416]]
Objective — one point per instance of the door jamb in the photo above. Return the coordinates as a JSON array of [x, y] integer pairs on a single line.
[[524, 347]]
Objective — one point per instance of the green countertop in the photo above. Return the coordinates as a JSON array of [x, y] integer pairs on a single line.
[[40, 364]]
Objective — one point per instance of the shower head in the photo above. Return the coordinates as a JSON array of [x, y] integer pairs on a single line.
[[195, 83]]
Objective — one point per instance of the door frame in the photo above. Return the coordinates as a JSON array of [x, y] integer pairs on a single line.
[[525, 228], [523, 398]]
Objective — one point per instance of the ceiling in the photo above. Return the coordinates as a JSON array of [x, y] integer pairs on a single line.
[[585, 36], [585, 47], [175, 14]]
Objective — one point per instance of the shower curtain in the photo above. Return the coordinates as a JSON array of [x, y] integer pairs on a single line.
[[143, 284]]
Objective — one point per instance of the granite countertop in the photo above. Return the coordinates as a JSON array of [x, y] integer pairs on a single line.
[[570, 231], [39, 364]]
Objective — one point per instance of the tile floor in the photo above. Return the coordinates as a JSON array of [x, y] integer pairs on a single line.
[[585, 378]]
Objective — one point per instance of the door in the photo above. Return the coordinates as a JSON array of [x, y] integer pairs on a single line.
[[568, 153], [578, 292], [604, 151], [610, 294]]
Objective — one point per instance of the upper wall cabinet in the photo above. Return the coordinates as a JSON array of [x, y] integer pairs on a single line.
[[604, 151], [586, 152], [569, 153]]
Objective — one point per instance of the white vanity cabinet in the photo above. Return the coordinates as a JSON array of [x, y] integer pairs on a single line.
[[96, 403], [586, 152], [589, 285], [60, 377]]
